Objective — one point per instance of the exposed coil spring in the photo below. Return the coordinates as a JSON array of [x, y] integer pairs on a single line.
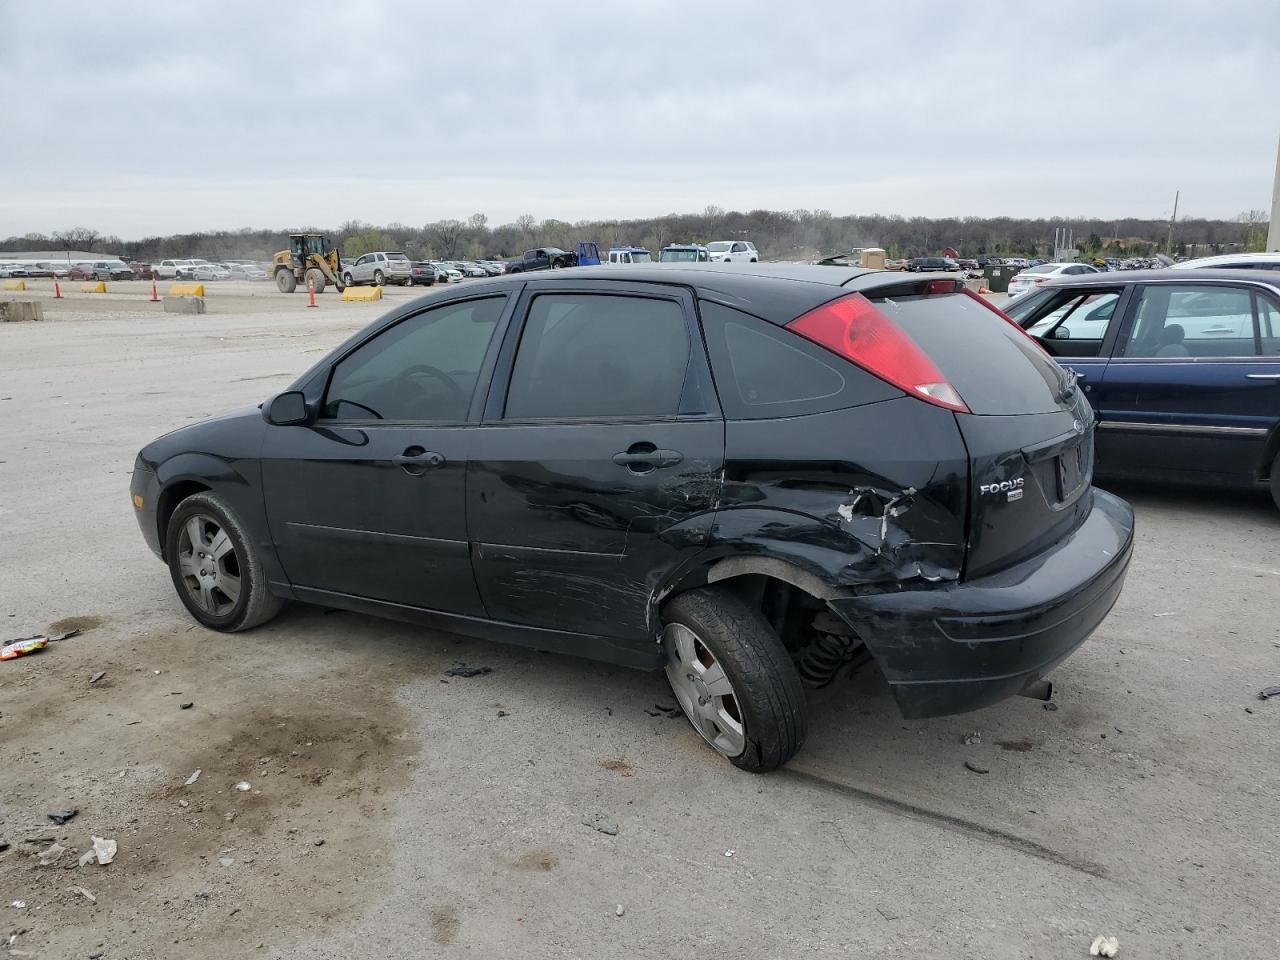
[[820, 661]]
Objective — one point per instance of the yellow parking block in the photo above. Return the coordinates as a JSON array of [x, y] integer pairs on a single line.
[[362, 293], [186, 289], [99, 287], [15, 284]]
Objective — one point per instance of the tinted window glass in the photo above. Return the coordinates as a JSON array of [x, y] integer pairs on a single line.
[[1174, 320], [1268, 325], [423, 368], [763, 371], [595, 355], [996, 368]]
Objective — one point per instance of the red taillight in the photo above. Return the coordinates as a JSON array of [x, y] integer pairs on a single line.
[[936, 287], [854, 329]]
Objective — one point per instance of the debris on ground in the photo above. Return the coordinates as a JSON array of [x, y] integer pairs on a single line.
[[598, 822], [186, 706], [20, 648], [51, 853], [226, 861], [192, 779], [244, 786], [319, 841], [1051, 706], [460, 669], [84, 893], [60, 817], [103, 850], [620, 911], [503, 713], [665, 710], [970, 739], [1266, 693], [1104, 946], [730, 852], [974, 767], [97, 676], [3, 846], [19, 904], [618, 765]]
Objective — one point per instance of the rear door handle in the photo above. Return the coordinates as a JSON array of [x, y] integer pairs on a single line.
[[1263, 376], [642, 457]]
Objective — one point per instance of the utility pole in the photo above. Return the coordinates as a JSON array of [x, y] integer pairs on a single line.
[[1168, 249], [1273, 233]]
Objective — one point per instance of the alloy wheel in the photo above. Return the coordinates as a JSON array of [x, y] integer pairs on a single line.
[[209, 565], [703, 690]]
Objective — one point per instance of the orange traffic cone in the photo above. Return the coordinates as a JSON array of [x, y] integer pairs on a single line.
[[983, 290], [155, 296], [57, 290], [311, 291]]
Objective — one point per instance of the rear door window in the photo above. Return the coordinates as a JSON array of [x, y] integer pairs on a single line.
[[1192, 320], [763, 371], [586, 355]]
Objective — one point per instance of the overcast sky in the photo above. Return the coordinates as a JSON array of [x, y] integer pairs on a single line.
[[139, 119]]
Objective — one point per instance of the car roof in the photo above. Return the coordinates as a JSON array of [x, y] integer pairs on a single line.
[[1195, 264], [1268, 277]]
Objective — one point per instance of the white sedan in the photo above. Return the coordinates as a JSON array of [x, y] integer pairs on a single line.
[[210, 271], [1032, 277]]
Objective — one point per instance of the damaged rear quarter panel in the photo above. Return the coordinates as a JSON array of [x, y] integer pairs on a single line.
[[872, 495]]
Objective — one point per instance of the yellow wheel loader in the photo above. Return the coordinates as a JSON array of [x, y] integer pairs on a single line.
[[307, 259]]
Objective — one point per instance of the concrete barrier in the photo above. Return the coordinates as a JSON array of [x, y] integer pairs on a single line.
[[12, 311], [99, 287], [184, 304], [186, 289], [15, 285], [362, 293]]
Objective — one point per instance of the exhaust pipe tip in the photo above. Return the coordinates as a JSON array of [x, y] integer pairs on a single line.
[[1038, 690]]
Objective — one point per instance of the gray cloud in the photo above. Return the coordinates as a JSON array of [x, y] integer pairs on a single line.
[[151, 118]]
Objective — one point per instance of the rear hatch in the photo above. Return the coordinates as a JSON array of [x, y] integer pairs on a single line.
[[1029, 432]]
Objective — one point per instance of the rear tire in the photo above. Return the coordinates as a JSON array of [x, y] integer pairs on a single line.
[[286, 282], [710, 633], [215, 566], [1275, 480]]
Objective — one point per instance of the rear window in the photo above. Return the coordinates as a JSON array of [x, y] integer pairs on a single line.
[[763, 371], [1043, 268], [396, 256], [995, 368]]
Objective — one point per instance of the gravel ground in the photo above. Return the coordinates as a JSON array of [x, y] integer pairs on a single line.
[[391, 814]]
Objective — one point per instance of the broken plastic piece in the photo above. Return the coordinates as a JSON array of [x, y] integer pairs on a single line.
[[61, 816], [244, 786], [97, 676], [1104, 947], [51, 853], [84, 893], [103, 850], [1266, 693], [460, 669], [20, 648], [970, 765], [192, 779]]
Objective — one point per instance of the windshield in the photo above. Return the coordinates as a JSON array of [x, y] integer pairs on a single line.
[[718, 246]]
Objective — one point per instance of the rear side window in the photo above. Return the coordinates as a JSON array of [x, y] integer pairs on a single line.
[[763, 371], [598, 355], [994, 367], [1176, 321]]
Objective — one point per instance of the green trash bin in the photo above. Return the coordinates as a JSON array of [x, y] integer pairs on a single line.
[[998, 276]]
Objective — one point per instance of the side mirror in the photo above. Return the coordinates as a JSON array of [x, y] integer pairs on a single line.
[[286, 409], [1062, 333]]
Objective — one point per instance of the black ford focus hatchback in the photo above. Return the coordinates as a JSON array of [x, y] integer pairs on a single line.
[[748, 476]]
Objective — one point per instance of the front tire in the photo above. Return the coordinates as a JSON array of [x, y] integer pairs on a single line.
[[734, 679], [379, 278], [316, 278], [347, 281], [215, 566]]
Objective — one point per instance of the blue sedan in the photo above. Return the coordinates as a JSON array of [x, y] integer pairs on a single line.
[[1182, 368]]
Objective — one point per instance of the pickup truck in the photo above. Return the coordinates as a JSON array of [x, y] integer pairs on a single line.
[[544, 258]]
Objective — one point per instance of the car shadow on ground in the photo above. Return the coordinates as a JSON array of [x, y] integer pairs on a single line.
[[1250, 505]]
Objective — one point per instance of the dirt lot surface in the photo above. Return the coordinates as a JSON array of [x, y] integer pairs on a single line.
[[392, 814]]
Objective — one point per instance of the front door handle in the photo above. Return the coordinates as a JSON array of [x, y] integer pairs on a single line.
[[643, 457], [416, 461], [1263, 376]]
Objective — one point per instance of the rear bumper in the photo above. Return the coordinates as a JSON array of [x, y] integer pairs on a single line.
[[967, 645]]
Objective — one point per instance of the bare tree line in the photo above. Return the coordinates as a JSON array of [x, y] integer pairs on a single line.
[[779, 235]]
